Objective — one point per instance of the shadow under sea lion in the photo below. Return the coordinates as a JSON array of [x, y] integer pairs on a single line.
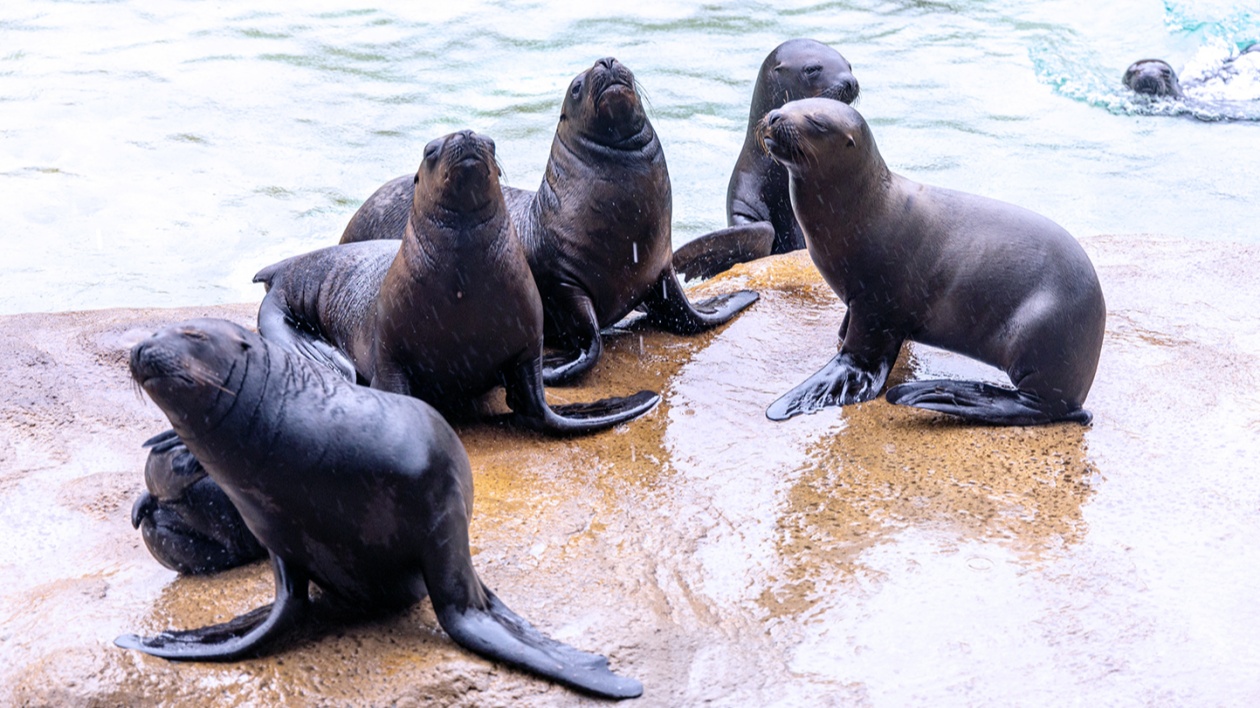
[[364, 493], [983, 278], [597, 231]]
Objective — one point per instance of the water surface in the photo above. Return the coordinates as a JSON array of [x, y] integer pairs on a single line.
[[161, 153]]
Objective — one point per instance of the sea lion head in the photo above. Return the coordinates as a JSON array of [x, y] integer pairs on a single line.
[[803, 68], [602, 105], [459, 173], [816, 131], [188, 369], [1153, 77]]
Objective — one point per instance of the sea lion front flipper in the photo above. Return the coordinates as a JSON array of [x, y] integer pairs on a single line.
[[571, 312], [982, 402], [477, 620], [243, 636], [277, 324], [524, 384], [668, 307], [718, 251], [854, 375]]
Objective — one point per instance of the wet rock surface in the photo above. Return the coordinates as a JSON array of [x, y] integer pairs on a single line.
[[875, 555]]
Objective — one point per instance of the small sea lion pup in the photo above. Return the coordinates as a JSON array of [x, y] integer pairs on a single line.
[[758, 190], [976, 276], [188, 523], [446, 316], [1153, 77], [597, 231], [365, 493]]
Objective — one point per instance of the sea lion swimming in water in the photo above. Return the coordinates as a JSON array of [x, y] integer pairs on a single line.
[[972, 275], [364, 493], [597, 231], [1153, 77], [758, 189]]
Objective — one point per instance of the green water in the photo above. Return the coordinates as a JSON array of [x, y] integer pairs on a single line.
[[161, 153]]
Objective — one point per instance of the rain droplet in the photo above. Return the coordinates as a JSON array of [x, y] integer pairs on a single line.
[[636, 251]]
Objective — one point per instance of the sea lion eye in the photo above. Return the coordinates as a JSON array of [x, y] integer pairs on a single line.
[[813, 70], [816, 124], [576, 89], [430, 150]]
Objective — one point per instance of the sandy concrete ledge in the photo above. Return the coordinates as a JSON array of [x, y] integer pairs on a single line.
[[874, 555]]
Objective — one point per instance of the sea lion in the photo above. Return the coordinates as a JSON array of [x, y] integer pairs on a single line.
[[758, 188], [1153, 77], [973, 275], [365, 493], [446, 315], [597, 231], [187, 522]]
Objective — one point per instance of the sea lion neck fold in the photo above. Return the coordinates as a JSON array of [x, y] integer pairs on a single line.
[[457, 200], [602, 111], [207, 366], [458, 181]]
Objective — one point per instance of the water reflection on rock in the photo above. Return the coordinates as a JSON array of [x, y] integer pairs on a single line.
[[871, 555]]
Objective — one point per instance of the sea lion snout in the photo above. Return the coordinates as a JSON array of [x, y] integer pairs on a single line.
[[846, 90], [1152, 77]]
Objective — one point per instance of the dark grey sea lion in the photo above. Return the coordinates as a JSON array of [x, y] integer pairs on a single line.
[[446, 314], [965, 273], [758, 189], [597, 231], [1153, 77], [364, 493], [186, 521]]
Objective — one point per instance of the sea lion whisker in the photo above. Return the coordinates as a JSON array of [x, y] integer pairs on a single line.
[[199, 374], [643, 97]]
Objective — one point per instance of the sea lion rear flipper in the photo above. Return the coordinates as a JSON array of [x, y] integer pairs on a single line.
[[477, 620], [277, 324], [668, 306], [981, 402], [573, 314], [718, 251], [243, 636], [524, 384]]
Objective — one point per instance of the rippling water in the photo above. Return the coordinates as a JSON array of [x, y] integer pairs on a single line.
[[161, 153]]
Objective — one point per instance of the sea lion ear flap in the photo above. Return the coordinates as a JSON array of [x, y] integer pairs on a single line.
[[849, 141]]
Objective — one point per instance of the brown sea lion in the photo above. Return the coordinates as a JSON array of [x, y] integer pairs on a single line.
[[973, 275]]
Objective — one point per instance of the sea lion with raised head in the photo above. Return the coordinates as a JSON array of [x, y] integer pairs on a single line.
[[446, 315], [965, 273], [758, 188], [365, 493], [1153, 77], [597, 231]]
